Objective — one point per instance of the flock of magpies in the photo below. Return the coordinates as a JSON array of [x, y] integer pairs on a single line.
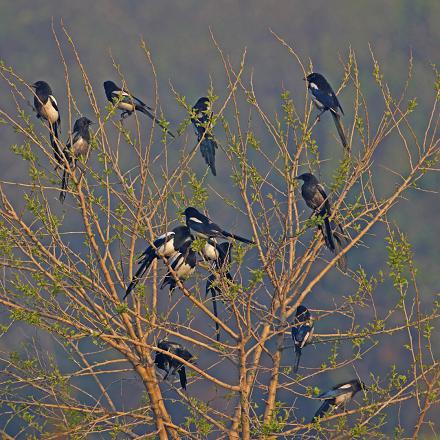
[[176, 247]]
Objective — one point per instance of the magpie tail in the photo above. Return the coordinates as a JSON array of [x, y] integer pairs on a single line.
[[341, 241], [64, 184], [237, 237], [139, 274], [207, 148], [337, 120], [297, 359], [322, 409], [146, 111]]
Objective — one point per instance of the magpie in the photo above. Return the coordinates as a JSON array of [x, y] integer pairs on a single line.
[[302, 332], [325, 99], [223, 259], [78, 144], [167, 245], [201, 119], [47, 108], [315, 197], [203, 227], [183, 263], [129, 103], [338, 396], [171, 365]]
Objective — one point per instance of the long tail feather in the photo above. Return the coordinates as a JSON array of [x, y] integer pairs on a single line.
[[297, 358], [341, 242], [64, 184], [322, 409], [213, 289], [145, 111], [237, 237], [139, 274], [207, 148], [337, 120], [54, 142], [328, 235]]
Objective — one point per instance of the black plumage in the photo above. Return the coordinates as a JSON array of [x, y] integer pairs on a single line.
[[129, 103], [316, 199], [171, 365], [338, 396], [201, 120], [203, 227], [78, 144], [47, 108], [167, 245], [220, 265], [302, 332], [325, 99]]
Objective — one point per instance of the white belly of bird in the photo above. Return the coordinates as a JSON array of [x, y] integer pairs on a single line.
[[167, 249], [210, 252], [126, 106], [184, 270], [80, 147], [49, 112]]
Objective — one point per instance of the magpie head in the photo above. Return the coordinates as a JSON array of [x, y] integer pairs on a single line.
[[182, 232], [191, 212], [302, 313], [356, 385], [82, 122], [307, 178], [202, 104], [42, 87], [109, 87], [316, 81]]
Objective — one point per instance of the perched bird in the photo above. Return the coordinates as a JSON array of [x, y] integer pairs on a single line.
[[170, 364], [128, 103], [167, 245], [47, 108], [203, 227], [338, 396], [302, 332], [201, 119], [183, 263], [220, 264], [325, 99], [78, 144], [315, 197]]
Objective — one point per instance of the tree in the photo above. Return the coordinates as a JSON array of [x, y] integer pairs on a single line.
[[65, 270]]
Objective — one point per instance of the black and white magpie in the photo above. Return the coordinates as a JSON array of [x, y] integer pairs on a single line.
[[338, 396], [183, 263], [325, 99], [171, 365], [203, 227], [302, 332], [315, 197], [167, 245], [78, 144], [129, 103], [47, 108], [201, 119]]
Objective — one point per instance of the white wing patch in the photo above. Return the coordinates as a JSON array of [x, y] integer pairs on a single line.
[[345, 386], [52, 98], [313, 86], [167, 234], [195, 220], [119, 93]]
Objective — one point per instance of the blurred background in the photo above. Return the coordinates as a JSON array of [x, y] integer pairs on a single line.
[[178, 35]]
